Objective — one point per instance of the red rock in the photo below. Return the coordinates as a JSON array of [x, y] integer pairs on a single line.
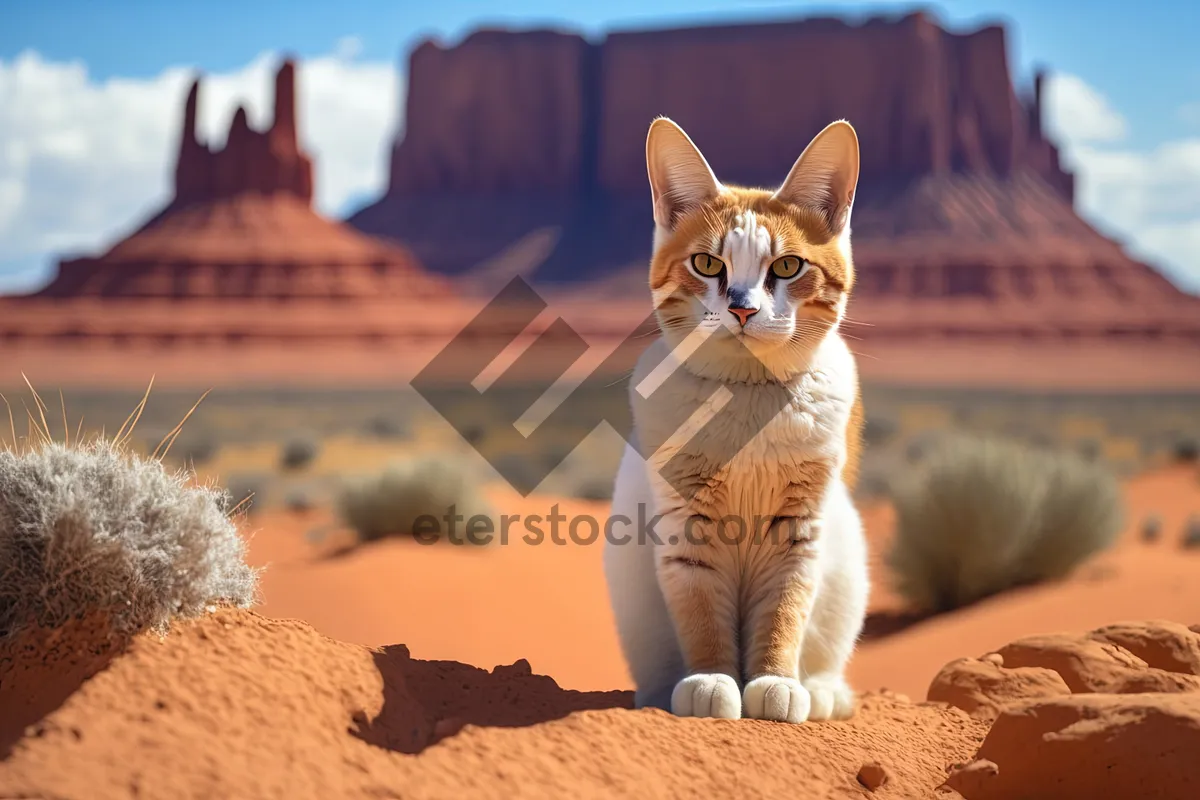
[[241, 225], [1088, 665], [964, 225], [982, 687], [1128, 731], [1089, 746], [1161, 644], [873, 776]]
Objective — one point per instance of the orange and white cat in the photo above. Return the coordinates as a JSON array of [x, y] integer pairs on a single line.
[[714, 624]]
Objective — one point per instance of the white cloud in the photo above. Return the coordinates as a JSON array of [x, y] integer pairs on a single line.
[[1149, 198], [1079, 113], [84, 161]]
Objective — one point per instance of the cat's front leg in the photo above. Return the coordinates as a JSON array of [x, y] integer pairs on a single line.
[[700, 589], [782, 589]]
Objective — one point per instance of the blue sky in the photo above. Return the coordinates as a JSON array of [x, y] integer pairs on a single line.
[[1143, 56], [1140, 62]]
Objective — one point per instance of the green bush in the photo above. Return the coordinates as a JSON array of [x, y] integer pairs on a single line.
[[95, 528], [392, 502], [980, 516]]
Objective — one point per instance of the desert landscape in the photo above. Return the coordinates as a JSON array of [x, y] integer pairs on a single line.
[[218, 434]]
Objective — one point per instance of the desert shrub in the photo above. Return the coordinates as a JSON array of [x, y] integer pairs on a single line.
[[93, 529], [1186, 449], [245, 492], [195, 449], [981, 515], [299, 501], [519, 470], [919, 447], [554, 456], [474, 434], [596, 490], [878, 431], [1090, 449], [1191, 532], [390, 503], [871, 485], [1152, 528], [298, 452], [382, 427]]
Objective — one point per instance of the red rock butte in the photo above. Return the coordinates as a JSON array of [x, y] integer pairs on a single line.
[[965, 227], [240, 227]]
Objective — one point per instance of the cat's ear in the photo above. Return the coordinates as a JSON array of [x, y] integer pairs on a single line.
[[680, 178], [825, 176]]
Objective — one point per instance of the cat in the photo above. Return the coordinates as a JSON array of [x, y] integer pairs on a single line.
[[721, 624]]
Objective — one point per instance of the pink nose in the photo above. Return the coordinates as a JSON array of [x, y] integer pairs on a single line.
[[743, 314]]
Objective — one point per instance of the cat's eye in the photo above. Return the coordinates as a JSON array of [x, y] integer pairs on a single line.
[[706, 265], [786, 267]]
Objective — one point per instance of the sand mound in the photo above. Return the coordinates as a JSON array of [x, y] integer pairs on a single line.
[[236, 705], [1112, 713]]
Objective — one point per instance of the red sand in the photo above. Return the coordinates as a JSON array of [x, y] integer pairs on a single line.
[[236, 705], [498, 604], [240, 706]]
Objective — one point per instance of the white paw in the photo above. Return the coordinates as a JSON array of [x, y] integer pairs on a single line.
[[707, 695], [831, 698], [775, 698]]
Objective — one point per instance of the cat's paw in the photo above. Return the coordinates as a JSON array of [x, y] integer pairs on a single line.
[[707, 695], [831, 698], [776, 698]]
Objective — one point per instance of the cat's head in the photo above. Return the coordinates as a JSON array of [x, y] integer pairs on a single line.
[[771, 270]]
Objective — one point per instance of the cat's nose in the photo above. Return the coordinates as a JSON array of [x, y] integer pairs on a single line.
[[741, 312]]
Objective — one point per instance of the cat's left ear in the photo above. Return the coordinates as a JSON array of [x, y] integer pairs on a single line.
[[825, 176]]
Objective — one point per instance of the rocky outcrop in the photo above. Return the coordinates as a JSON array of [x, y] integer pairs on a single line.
[[266, 162], [964, 224], [241, 226], [1111, 713]]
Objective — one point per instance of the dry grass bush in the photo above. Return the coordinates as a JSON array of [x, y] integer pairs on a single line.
[[1186, 449], [299, 500], [1191, 532], [196, 449], [298, 452], [247, 491], [982, 515], [90, 527], [391, 502]]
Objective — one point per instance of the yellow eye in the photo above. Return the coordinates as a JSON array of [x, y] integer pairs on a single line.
[[786, 267], [706, 265]]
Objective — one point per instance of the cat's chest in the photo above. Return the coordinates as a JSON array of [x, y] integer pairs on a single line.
[[737, 445]]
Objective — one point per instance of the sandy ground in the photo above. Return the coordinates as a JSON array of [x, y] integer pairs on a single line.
[[240, 705], [548, 602]]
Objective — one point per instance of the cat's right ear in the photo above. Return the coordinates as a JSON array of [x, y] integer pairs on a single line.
[[680, 178]]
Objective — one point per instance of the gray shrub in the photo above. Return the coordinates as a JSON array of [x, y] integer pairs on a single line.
[[391, 502], [91, 528], [981, 515]]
